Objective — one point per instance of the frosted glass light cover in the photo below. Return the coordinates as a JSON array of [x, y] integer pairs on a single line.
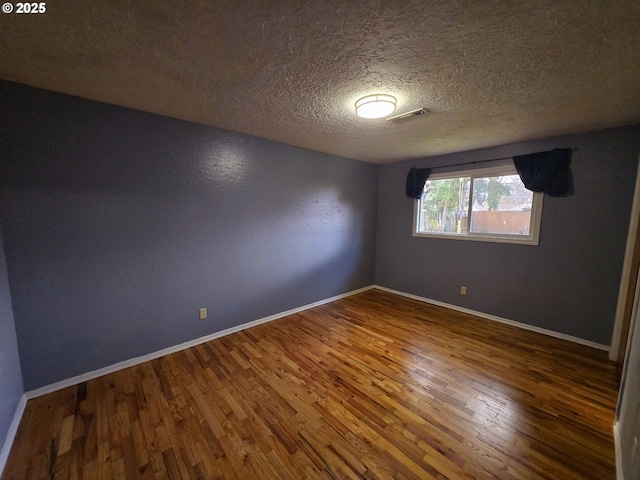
[[375, 106]]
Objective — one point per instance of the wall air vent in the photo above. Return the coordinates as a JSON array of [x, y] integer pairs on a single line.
[[413, 113]]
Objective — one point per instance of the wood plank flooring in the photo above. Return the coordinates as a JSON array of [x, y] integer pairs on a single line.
[[374, 386]]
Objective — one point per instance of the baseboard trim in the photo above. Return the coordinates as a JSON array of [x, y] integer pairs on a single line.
[[70, 382], [495, 318], [11, 434], [618, 449]]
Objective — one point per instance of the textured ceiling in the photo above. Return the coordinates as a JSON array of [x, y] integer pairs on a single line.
[[490, 72]]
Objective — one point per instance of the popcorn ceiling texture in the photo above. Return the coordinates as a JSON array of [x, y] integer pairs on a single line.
[[491, 72]]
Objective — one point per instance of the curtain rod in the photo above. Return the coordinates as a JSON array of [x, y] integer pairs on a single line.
[[481, 161]]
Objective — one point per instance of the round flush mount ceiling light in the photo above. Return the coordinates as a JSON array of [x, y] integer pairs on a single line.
[[375, 106]]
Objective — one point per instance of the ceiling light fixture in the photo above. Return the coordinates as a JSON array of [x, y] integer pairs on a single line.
[[375, 106]]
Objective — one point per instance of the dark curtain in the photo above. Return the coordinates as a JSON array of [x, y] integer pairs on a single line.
[[415, 181], [546, 172]]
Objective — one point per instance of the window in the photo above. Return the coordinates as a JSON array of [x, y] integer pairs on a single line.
[[485, 204]]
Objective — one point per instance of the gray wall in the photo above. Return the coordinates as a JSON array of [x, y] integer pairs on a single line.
[[10, 376], [119, 225], [568, 283]]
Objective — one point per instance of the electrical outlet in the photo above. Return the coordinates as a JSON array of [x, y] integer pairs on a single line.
[[463, 290], [203, 313]]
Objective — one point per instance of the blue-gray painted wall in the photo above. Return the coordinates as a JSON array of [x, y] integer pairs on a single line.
[[119, 225], [10, 376], [568, 283]]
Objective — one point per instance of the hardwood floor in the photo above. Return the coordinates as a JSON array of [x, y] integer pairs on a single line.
[[373, 386]]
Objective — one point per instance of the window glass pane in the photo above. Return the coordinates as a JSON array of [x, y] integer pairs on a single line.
[[501, 205], [445, 206]]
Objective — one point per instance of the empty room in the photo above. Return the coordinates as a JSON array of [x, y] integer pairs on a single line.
[[319, 239]]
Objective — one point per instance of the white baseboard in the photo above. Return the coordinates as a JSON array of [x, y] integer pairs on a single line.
[[11, 434], [176, 348], [495, 318], [618, 447]]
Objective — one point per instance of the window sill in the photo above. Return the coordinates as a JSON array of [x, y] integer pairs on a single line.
[[530, 240]]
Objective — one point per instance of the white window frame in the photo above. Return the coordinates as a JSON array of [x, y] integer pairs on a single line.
[[536, 210]]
